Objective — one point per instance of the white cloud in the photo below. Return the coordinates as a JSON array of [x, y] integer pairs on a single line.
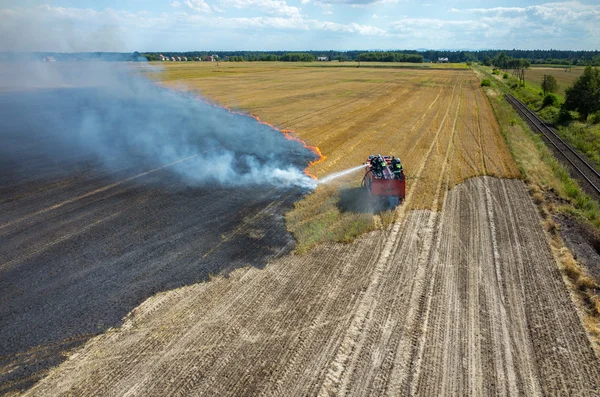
[[348, 28], [197, 5], [296, 23], [271, 7], [495, 10], [570, 25], [426, 31], [435, 24], [360, 3], [552, 25], [571, 22], [562, 12]]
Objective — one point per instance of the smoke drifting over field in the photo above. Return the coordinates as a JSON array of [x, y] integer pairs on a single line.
[[103, 112]]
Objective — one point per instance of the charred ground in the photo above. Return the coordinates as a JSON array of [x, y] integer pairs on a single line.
[[87, 237]]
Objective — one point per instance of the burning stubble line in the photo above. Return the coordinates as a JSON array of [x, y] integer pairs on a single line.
[[100, 190], [288, 134]]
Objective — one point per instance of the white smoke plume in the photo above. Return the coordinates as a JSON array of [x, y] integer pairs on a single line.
[[106, 112]]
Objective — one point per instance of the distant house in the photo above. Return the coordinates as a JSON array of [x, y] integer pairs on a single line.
[[322, 59], [173, 59], [442, 60], [184, 59], [49, 59], [163, 58], [179, 59], [198, 59], [209, 58]]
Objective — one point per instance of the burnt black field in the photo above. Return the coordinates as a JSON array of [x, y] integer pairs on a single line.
[[91, 225]]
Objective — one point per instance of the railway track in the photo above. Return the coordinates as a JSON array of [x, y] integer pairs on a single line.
[[580, 168]]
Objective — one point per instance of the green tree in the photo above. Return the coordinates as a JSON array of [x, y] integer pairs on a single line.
[[549, 84], [298, 57], [584, 95], [500, 60]]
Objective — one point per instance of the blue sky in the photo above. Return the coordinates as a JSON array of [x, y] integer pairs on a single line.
[[180, 25]]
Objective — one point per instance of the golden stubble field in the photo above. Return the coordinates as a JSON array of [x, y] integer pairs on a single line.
[[438, 121]]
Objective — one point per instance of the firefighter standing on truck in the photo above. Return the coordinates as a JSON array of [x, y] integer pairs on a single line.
[[376, 166], [383, 164], [396, 167], [380, 165]]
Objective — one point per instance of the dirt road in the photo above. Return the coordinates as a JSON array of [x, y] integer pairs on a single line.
[[464, 302]]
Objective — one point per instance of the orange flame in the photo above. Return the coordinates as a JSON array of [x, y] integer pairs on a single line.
[[288, 134]]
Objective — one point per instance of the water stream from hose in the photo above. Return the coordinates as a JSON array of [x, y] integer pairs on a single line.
[[339, 174]]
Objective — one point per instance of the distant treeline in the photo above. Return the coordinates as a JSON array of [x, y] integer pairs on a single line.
[[309, 56], [558, 57], [390, 57], [503, 61]]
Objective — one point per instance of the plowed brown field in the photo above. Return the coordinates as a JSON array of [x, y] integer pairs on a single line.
[[460, 296]]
